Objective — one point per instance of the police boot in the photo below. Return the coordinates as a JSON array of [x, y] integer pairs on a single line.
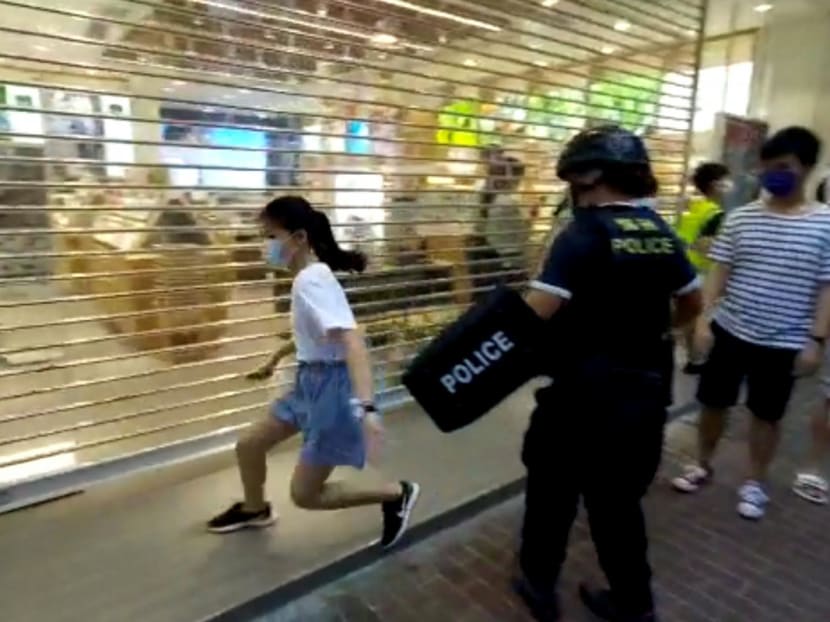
[[543, 604], [601, 604]]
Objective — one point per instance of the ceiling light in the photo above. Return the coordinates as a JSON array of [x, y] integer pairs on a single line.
[[622, 25], [167, 89], [384, 38], [469, 62], [91, 72], [549, 3], [763, 8], [607, 49], [540, 63], [404, 4], [322, 11], [442, 39], [42, 48], [691, 33], [179, 83], [318, 26], [269, 35]]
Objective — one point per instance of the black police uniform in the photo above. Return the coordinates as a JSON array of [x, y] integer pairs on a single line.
[[597, 431]]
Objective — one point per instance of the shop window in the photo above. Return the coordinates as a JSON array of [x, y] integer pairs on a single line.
[[723, 88]]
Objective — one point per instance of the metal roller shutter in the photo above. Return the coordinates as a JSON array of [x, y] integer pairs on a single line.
[[139, 138]]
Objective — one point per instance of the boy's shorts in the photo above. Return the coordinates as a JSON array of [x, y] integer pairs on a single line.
[[769, 374]]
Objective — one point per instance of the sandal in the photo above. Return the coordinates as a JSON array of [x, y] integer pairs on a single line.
[[693, 479], [812, 488]]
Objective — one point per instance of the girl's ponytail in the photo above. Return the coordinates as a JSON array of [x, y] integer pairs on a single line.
[[321, 239], [294, 213]]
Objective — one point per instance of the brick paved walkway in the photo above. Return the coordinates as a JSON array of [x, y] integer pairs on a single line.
[[710, 565]]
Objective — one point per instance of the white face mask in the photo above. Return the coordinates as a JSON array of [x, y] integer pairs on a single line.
[[725, 186]]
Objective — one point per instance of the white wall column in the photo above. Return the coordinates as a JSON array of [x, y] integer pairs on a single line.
[[792, 76]]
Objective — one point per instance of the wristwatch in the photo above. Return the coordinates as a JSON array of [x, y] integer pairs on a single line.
[[361, 409]]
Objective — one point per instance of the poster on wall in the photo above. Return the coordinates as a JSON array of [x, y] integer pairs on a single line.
[[741, 140]]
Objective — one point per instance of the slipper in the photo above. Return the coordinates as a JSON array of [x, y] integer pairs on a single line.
[[812, 488]]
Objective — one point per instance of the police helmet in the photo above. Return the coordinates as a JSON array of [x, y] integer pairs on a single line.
[[608, 144]]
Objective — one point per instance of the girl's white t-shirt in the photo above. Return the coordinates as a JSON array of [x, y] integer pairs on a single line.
[[319, 306]]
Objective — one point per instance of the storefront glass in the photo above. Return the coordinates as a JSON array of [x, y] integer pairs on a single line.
[[140, 138]]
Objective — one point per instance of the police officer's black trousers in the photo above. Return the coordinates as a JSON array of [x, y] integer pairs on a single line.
[[606, 454]]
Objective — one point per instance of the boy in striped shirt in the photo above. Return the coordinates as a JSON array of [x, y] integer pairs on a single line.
[[770, 289]]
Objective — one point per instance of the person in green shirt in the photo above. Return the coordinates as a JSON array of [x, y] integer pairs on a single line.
[[698, 226]]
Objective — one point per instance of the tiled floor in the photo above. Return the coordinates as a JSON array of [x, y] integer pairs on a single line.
[[710, 566]]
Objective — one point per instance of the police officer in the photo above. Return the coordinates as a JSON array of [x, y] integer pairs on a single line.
[[607, 286]]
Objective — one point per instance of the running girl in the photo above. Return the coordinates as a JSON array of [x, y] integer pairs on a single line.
[[331, 402]]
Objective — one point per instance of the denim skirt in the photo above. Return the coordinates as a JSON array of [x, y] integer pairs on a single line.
[[319, 406]]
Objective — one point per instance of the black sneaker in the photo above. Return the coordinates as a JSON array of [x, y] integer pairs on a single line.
[[396, 514], [601, 604], [543, 605], [235, 518], [693, 369]]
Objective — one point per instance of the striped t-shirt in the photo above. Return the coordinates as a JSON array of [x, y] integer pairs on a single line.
[[778, 262]]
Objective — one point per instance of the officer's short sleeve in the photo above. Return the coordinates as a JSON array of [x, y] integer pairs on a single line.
[[572, 252]]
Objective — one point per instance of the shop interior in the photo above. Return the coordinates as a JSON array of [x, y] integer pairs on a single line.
[[140, 138]]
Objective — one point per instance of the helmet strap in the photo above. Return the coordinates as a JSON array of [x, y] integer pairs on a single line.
[[579, 188]]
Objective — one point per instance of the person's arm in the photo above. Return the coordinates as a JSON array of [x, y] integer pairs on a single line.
[[722, 254], [714, 286], [287, 349], [684, 285], [266, 370], [687, 308], [359, 364], [810, 358], [703, 244], [571, 252], [821, 322]]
